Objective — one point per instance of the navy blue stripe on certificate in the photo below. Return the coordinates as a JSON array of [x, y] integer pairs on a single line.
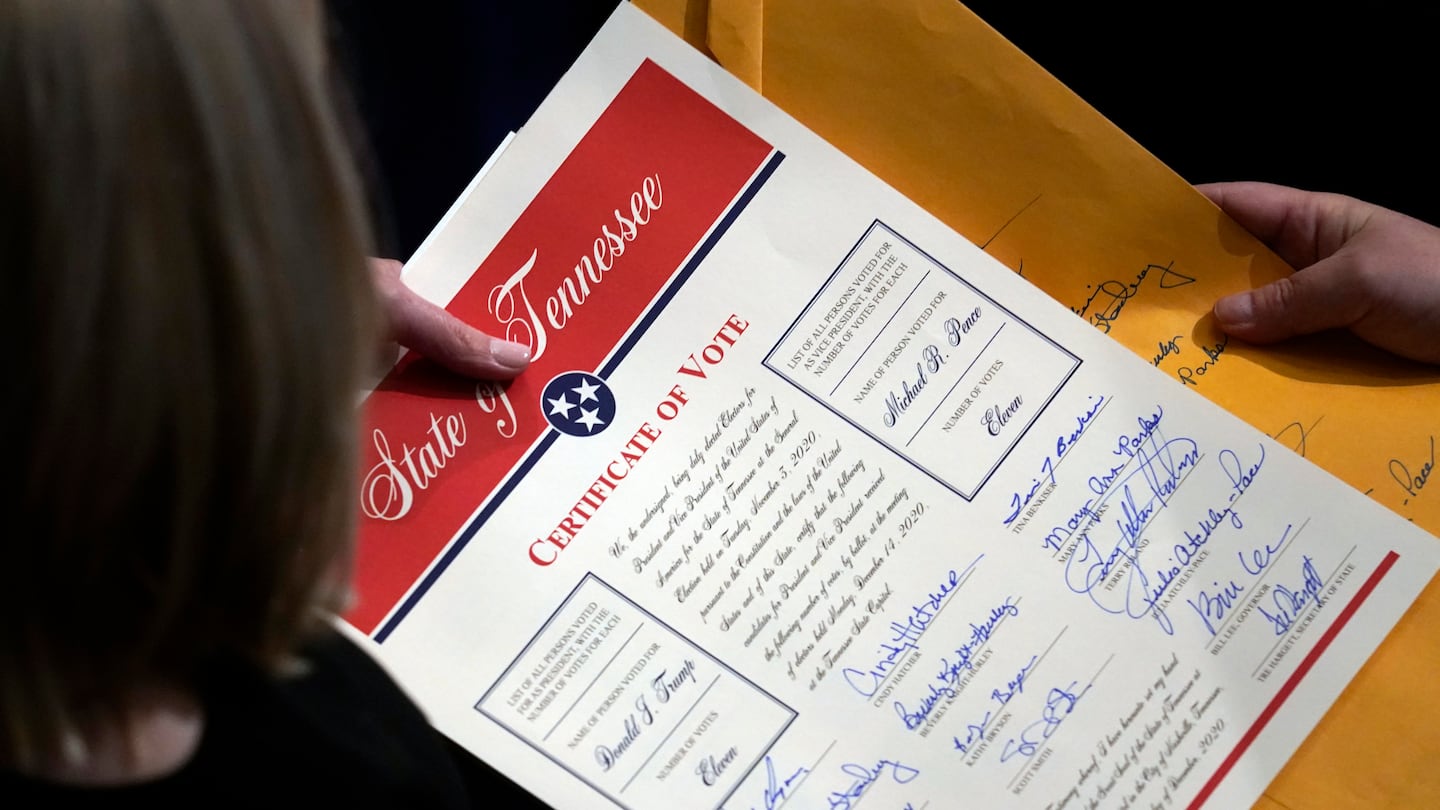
[[746, 196]]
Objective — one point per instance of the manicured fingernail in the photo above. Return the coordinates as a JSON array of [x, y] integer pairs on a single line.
[[510, 354], [1236, 310]]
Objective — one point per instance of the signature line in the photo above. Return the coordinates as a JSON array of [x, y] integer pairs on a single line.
[[1309, 610], [965, 577], [879, 333], [1038, 661], [675, 728], [1271, 566], [590, 685], [1085, 527], [1030, 761], [813, 768], [958, 380]]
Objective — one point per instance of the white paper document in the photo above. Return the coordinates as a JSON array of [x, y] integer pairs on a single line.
[[806, 502]]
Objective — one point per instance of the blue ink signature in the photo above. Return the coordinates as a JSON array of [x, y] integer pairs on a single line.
[[1259, 558], [1126, 446], [1059, 703], [775, 790], [1213, 608], [1241, 477], [942, 686], [1063, 443], [864, 777], [974, 732], [1289, 604], [1162, 465], [905, 637], [1015, 685], [1173, 459], [1059, 535]]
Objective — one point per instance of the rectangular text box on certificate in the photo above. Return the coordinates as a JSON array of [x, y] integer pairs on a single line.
[[619, 699], [905, 350]]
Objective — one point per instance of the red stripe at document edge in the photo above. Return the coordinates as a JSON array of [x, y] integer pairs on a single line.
[[1294, 679]]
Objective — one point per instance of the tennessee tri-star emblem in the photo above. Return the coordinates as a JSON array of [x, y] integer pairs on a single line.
[[578, 403]]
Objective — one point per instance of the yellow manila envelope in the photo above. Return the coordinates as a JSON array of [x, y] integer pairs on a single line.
[[928, 97]]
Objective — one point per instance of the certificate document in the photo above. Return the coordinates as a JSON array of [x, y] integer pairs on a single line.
[[808, 502]]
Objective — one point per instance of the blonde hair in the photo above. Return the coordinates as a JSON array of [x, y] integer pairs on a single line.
[[189, 318]]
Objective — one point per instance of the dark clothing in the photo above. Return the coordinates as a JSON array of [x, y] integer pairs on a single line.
[[343, 735]]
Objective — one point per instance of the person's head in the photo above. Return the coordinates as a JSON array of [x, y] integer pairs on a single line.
[[188, 320]]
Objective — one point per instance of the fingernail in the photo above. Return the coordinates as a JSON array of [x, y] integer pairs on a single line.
[[511, 355], [1236, 310]]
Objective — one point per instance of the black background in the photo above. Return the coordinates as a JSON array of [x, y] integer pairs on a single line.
[[1219, 91], [1316, 99]]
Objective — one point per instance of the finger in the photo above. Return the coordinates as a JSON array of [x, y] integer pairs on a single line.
[[423, 327], [428, 329], [1326, 295], [1302, 227]]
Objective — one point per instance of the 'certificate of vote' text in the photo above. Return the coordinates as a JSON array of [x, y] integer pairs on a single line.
[[806, 502]]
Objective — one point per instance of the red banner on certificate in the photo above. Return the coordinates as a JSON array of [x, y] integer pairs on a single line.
[[614, 224]]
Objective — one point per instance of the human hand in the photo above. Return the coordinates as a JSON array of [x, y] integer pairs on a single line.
[[1358, 266], [423, 327]]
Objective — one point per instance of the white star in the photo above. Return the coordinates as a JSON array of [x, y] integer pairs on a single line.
[[586, 390], [560, 405], [589, 420]]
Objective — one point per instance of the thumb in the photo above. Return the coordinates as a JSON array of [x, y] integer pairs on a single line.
[[1325, 295], [428, 329]]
